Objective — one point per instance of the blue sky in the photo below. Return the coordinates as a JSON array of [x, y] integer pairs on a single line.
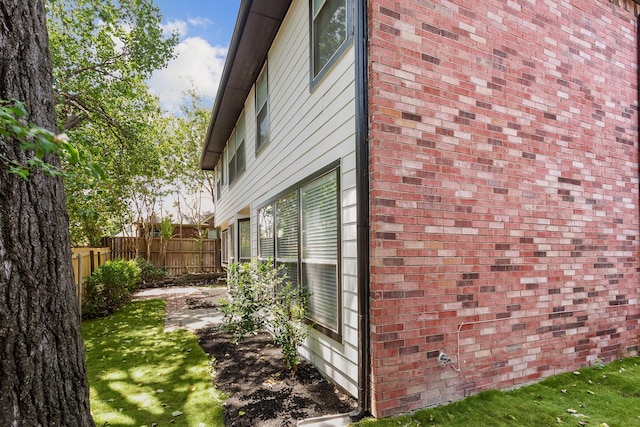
[[205, 28]]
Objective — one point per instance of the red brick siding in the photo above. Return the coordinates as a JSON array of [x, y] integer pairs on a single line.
[[504, 193]]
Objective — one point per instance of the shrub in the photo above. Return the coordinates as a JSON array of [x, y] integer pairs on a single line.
[[149, 273], [109, 287], [288, 322], [261, 296], [249, 291]]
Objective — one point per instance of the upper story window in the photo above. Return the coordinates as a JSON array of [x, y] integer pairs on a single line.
[[330, 33], [219, 180], [237, 161], [262, 110]]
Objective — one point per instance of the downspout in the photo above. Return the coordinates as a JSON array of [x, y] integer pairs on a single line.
[[362, 190]]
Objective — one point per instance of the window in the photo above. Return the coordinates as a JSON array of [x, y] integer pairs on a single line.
[[301, 231], [266, 243], [219, 179], [262, 110], [224, 246], [287, 235], [330, 23], [231, 245], [319, 238], [236, 151], [244, 240]]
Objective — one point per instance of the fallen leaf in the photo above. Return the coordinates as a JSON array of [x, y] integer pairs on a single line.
[[571, 411], [176, 413], [159, 390], [590, 392], [241, 413], [580, 415], [564, 390], [559, 420], [576, 373], [604, 425]]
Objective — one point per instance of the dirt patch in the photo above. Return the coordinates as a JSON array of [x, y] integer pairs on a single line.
[[260, 391], [194, 303]]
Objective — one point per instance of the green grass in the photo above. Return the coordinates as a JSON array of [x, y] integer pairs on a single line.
[[141, 376], [610, 394]]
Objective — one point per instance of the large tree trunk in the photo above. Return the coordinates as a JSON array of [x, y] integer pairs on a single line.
[[42, 369]]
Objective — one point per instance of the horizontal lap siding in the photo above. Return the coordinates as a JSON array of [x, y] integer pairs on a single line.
[[504, 193], [308, 131]]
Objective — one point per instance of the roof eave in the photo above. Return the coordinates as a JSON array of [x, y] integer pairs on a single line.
[[256, 27]]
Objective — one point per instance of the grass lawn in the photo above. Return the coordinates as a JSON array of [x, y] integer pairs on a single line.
[[139, 375], [591, 397]]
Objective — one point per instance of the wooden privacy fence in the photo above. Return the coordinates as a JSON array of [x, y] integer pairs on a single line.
[[180, 255], [84, 262]]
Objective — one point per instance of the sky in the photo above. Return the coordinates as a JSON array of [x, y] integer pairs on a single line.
[[205, 28]]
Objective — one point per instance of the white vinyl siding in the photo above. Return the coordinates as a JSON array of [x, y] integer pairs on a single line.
[[308, 130]]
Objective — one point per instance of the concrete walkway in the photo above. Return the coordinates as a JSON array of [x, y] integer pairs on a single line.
[[182, 304]]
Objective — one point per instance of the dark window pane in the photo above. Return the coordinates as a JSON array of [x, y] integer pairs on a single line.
[[329, 32]]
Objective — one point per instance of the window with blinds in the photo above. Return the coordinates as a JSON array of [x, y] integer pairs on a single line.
[[287, 235], [266, 242], [319, 244], [301, 232]]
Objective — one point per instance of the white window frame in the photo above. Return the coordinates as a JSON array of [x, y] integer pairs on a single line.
[[262, 109]]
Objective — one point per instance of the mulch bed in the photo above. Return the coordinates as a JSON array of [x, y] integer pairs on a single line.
[[260, 391]]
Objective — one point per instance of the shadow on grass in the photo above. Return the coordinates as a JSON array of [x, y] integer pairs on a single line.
[[140, 375]]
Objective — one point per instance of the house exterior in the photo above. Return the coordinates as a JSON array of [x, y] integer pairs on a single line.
[[456, 184]]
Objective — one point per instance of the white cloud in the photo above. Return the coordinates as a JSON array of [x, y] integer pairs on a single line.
[[175, 27], [200, 22], [197, 66]]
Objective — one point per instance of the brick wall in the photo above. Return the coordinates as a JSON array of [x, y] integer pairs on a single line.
[[504, 193]]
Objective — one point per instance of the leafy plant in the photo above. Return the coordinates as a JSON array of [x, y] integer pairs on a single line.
[[150, 273], [261, 296], [109, 287], [249, 295], [287, 320]]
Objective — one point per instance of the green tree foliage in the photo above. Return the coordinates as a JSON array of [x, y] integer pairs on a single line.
[[184, 145], [103, 52]]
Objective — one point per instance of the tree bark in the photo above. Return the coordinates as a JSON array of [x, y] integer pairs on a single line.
[[42, 370]]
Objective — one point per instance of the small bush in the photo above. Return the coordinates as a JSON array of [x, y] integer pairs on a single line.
[[109, 287], [262, 297], [287, 317], [249, 290], [149, 273]]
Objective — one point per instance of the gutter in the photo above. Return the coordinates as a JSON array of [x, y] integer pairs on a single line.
[[362, 190]]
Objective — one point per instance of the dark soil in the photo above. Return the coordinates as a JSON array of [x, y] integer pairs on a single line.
[[194, 303], [259, 390]]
